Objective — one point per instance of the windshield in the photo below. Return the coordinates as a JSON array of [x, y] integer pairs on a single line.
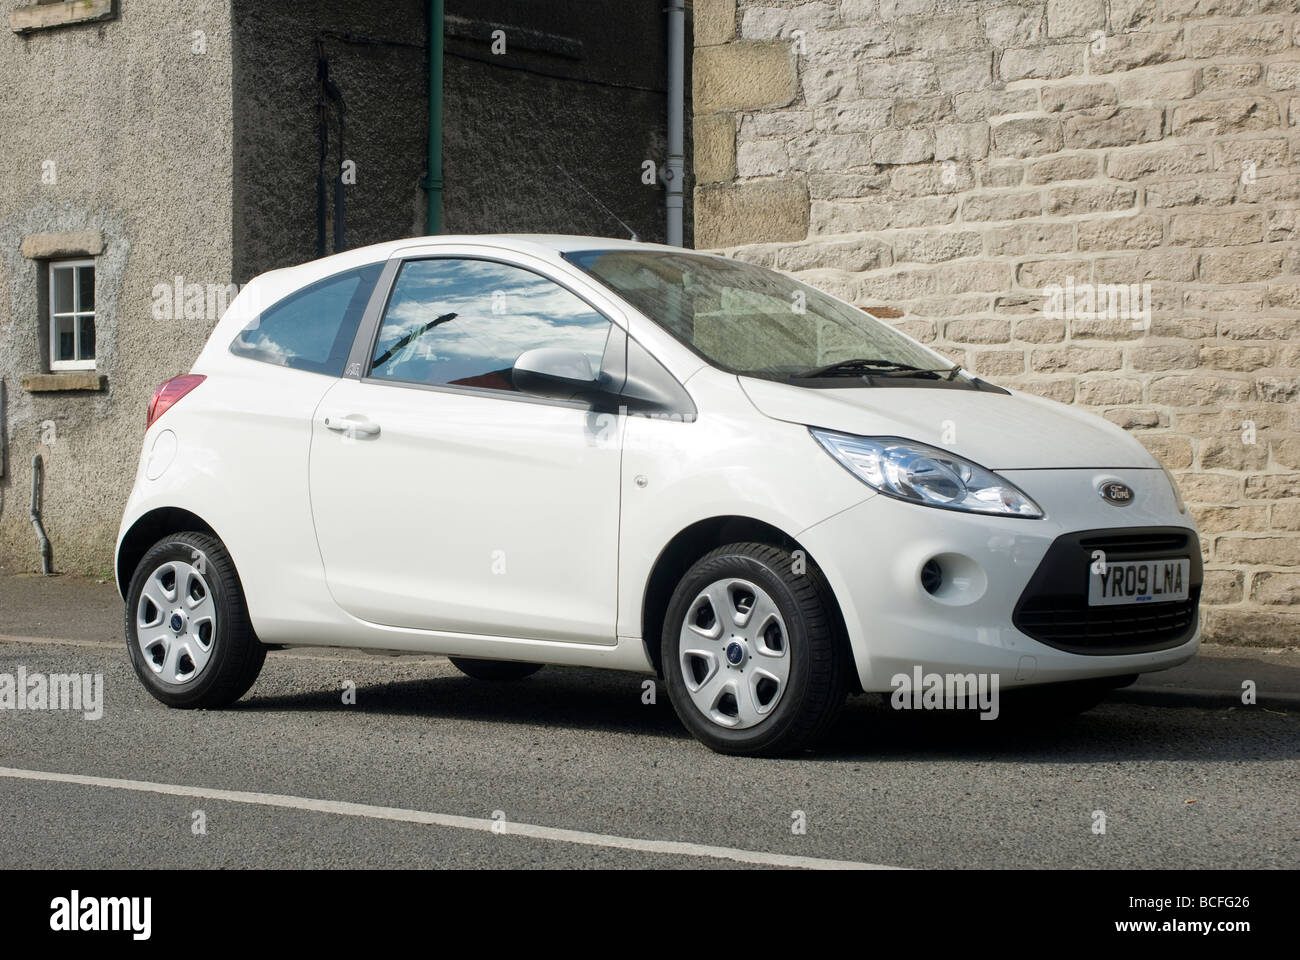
[[756, 322]]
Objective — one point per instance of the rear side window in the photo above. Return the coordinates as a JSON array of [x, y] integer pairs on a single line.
[[312, 329]]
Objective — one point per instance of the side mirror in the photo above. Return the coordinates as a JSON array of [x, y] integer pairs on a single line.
[[554, 372]]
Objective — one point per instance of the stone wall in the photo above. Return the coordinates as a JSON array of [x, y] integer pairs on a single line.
[[976, 170]]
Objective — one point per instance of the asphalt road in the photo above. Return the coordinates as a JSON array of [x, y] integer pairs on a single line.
[[412, 774]]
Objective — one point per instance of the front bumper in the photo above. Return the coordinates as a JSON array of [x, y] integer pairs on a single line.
[[979, 621], [1054, 607]]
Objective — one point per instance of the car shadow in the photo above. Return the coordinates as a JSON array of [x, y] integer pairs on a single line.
[[578, 699], [1117, 730], [868, 729]]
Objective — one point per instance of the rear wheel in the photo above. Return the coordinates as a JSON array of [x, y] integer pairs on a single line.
[[494, 670], [188, 632], [749, 652]]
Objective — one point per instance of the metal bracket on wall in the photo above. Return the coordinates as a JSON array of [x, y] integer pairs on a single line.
[[38, 501]]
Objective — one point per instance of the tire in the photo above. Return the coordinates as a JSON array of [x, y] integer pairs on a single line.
[[166, 629], [773, 682], [496, 671]]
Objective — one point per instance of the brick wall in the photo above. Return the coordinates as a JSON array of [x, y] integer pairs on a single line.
[[977, 170]]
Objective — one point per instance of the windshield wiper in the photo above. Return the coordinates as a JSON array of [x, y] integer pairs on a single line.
[[949, 373], [417, 332], [875, 367]]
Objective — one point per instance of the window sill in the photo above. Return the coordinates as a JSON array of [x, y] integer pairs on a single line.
[[76, 380], [44, 16]]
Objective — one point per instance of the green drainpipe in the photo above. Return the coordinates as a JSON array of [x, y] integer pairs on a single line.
[[433, 180]]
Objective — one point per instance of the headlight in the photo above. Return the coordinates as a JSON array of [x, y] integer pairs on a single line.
[[926, 475], [1173, 485]]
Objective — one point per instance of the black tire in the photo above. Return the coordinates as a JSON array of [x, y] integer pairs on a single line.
[[236, 655], [817, 681], [497, 671]]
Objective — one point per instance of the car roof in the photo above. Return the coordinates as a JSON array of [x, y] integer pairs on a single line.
[[277, 282], [564, 243], [552, 243]]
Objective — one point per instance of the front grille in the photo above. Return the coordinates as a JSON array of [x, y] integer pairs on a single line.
[[1054, 606], [1136, 543]]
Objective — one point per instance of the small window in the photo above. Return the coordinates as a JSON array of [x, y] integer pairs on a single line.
[[465, 322], [312, 329], [72, 315]]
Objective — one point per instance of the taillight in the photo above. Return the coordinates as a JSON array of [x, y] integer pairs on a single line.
[[165, 397]]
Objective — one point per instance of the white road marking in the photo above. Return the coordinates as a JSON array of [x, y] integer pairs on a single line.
[[401, 815]]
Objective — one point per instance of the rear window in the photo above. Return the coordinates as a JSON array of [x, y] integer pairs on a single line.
[[311, 329]]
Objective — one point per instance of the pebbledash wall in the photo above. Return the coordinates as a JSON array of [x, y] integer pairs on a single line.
[[976, 170], [116, 148]]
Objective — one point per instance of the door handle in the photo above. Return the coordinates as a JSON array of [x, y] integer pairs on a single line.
[[354, 425]]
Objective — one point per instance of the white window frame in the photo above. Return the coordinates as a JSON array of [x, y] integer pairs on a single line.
[[77, 315]]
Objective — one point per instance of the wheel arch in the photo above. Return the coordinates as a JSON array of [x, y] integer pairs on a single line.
[[693, 542], [147, 530]]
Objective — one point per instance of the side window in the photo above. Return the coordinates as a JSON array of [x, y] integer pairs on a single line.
[[465, 322], [312, 329]]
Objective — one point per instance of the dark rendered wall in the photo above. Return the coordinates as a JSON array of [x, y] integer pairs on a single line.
[[580, 86]]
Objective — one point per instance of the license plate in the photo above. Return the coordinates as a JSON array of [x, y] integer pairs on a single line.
[[1138, 581]]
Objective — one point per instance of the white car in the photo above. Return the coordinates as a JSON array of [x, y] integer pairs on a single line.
[[527, 450]]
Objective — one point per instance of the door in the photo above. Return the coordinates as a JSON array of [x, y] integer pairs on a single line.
[[446, 500]]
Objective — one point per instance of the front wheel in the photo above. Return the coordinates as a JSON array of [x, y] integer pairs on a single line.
[[750, 655], [188, 632]]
